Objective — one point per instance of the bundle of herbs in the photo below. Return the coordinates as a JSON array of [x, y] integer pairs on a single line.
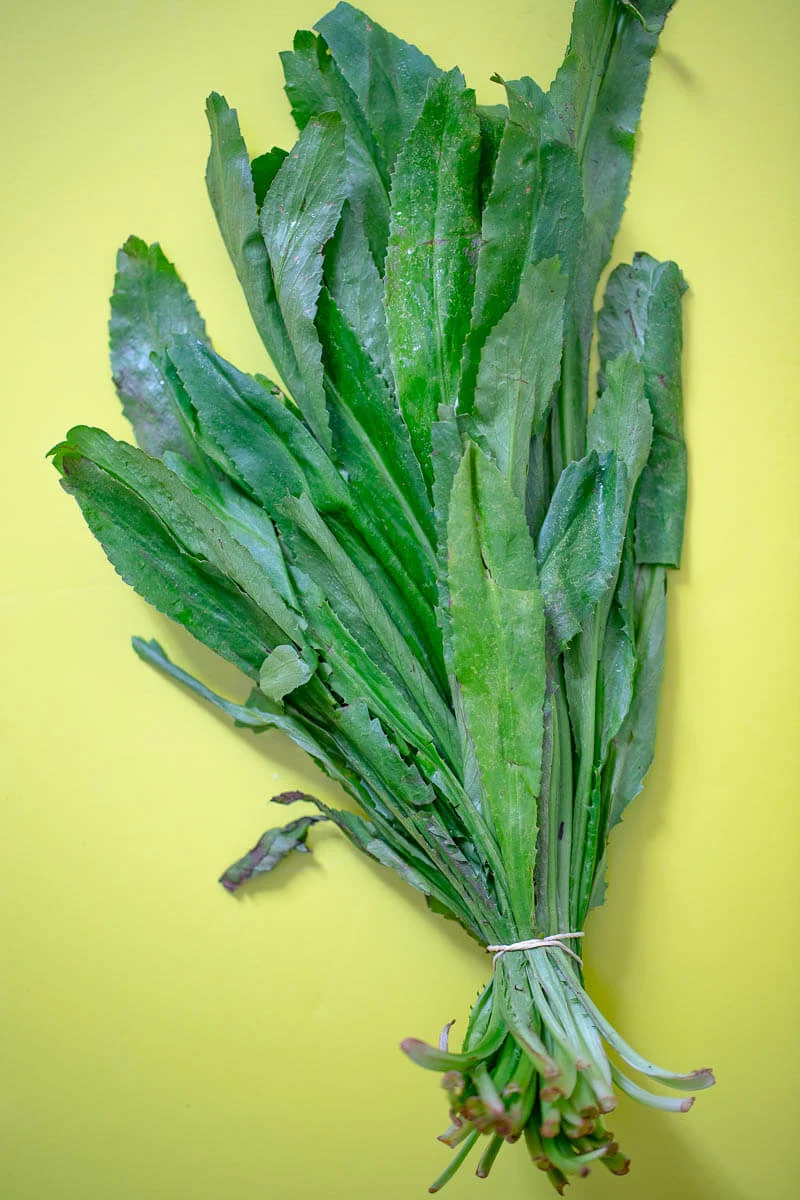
[[446, 580]]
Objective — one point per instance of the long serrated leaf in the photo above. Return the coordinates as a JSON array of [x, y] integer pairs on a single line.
[[389, 76], [269, 447], [372, 444], [497, 622], [598, 94], [533, 212], [519, 368], [357, 289], [229, 180], [150, 306], [195, 527], [315, 85], [245, 520], [299, 214], [633, 747], [148, 558], [641, 313], [430, 263], [415, 676]]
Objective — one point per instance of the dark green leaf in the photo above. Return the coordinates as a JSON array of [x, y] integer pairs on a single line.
[[315, 85], [498, 651], [492, 119], [245, 520], [271, 848], [533, 212], [389, 77], [633, 747], [149, 307], [598, 93], [196, 528], [264, 169], [430, 265], [357, 289], [270, 449], [393, 651], [581, 539], [641, 313], [146, 556], [300, 213], [232, 193], [372, 444]]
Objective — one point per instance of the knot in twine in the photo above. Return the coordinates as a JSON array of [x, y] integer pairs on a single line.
[[552, 941]]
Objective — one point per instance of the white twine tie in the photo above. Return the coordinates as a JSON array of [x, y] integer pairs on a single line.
[[553, 940]]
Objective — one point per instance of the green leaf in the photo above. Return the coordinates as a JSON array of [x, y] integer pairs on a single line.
[[190, 522], [344, 580], [598, 93], [357, 289], [621, 420], [271, 848], [260, 714], [498, 650], [264, 169], [641, 313], [618, 664], [283, 671], [581, 538], [519, 368], [391, 850], [533, 212], [431, 259], [245, 520], [231, 189], [269, 448], [300, 213], [633, 747], [315, 85], [389, 77], [492, 119], [153, 653], [372, 445], [149, 307], [147, 556]]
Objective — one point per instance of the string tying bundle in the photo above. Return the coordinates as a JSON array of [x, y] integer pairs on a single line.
[[552, 940]]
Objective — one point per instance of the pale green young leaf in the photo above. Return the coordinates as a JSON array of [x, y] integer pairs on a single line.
[[283, 671]]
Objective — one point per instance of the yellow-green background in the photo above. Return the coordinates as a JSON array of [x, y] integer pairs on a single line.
[[165, 1041]]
